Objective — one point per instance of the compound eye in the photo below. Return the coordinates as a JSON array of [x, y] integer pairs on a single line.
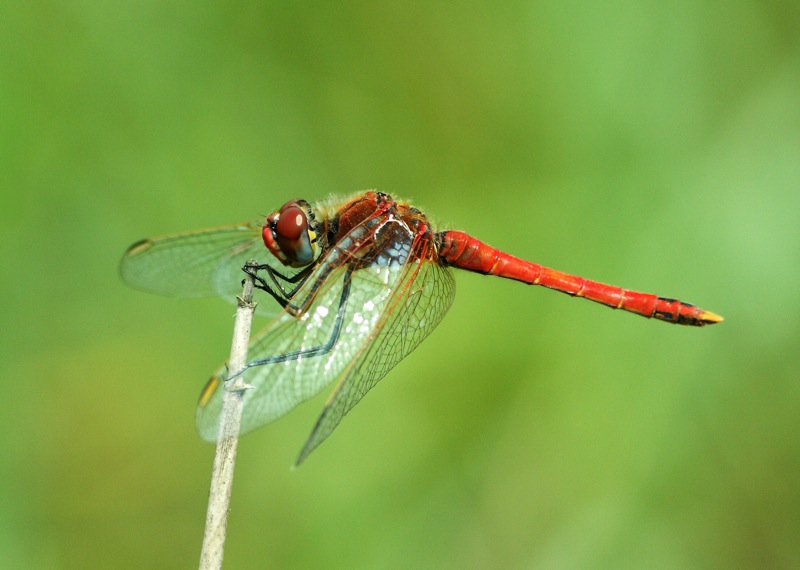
[[288, 236], [292, 223]]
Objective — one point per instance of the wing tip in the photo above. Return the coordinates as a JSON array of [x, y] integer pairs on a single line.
[[138, 247]]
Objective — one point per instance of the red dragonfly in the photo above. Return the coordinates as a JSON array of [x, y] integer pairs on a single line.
[[358, 284]]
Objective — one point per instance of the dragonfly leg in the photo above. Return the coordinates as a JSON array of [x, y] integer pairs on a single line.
[[278, 293], [319, 350], [274, 273]]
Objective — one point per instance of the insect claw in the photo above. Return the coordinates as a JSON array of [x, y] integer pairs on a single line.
[[239, 388], [245, 304]]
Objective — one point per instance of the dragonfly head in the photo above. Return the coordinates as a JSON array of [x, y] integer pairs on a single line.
[[289, 234]]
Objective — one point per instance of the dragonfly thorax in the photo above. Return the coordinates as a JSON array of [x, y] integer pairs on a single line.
[[392, 243]]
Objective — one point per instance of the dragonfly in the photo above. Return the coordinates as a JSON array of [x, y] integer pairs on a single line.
[[354, 285]]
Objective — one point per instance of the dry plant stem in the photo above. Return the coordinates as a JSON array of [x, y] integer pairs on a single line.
[[225, 457]]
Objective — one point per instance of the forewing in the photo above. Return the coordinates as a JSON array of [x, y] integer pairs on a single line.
[[202, 263], [421, 295], [304, 354], [193, 264]]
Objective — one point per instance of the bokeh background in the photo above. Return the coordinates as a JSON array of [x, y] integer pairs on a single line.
[[653, 145]]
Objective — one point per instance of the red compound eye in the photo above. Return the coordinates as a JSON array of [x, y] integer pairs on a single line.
[[288, 236], [291, 224]]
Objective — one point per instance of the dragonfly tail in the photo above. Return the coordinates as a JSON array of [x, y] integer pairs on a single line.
[[465, 252]]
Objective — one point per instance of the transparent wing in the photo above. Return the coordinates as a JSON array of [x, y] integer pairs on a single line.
[[201, 263], [294, 358], [420, 299]]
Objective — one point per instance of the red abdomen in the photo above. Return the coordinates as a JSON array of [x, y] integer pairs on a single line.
[[460, 250]]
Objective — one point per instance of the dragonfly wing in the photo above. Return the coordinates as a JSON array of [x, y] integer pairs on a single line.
[[295, 357], [201, 263], [192, 264], [419, 300]]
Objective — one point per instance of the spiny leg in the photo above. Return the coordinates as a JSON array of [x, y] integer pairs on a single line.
[[319, 350], [281, 296]]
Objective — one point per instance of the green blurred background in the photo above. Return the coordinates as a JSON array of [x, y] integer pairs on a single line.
[[651, 145]]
